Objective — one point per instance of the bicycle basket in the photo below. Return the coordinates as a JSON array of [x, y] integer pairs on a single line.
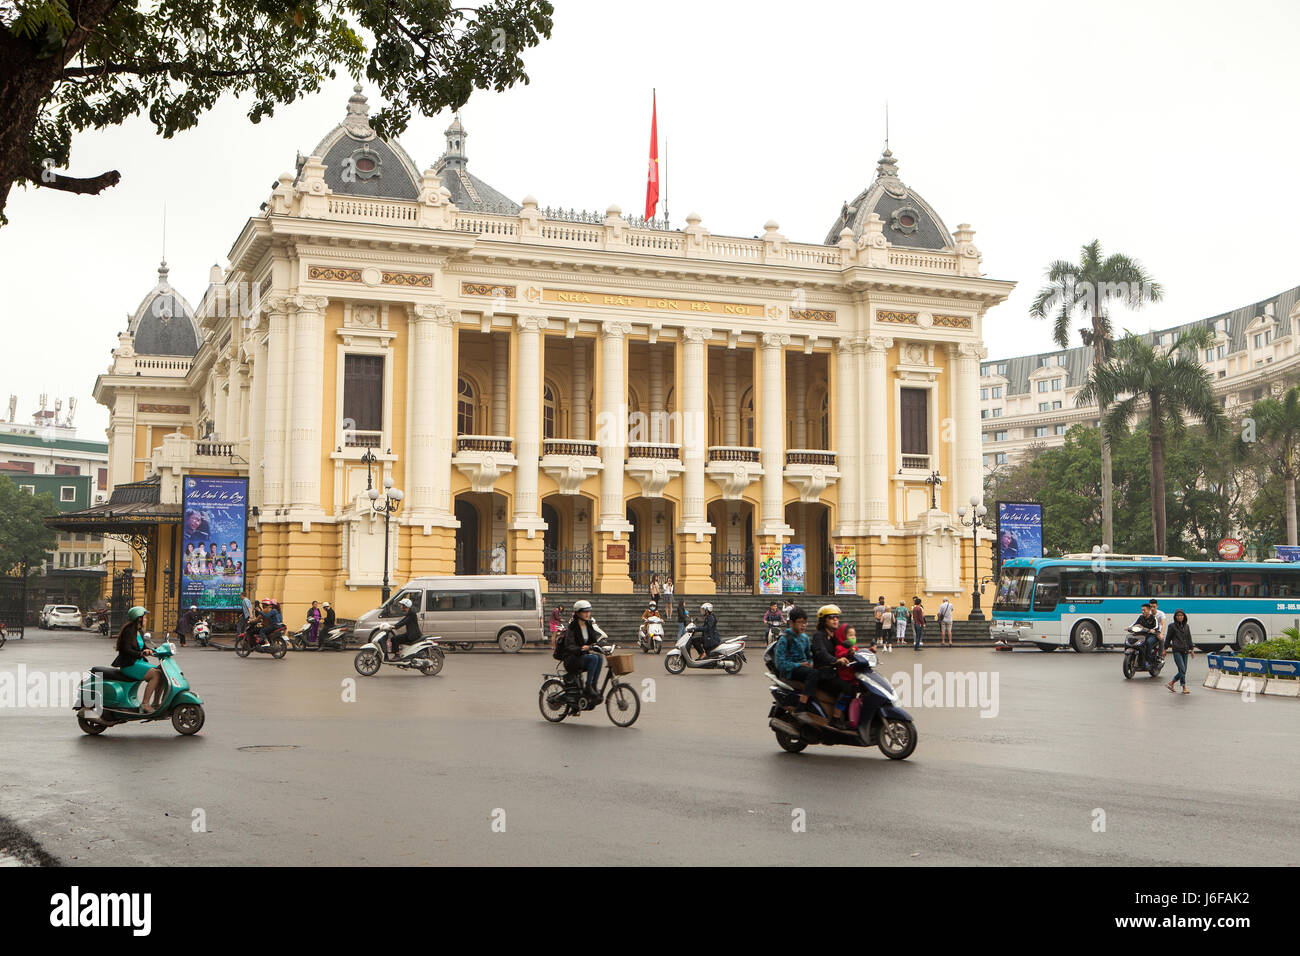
[[621, 664]]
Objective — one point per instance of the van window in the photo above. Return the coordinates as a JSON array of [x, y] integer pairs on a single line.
[[488, 600], [394, 609], [451, 600]]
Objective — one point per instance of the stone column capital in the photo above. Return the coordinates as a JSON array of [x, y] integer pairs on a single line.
[[775, 340], [431, 312], [307, 303], [615, 330], [695, 336], [973, 350], [533, 322], [877, 343]]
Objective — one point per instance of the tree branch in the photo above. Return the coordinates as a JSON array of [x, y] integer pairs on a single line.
[[77, 72], [72, 184]]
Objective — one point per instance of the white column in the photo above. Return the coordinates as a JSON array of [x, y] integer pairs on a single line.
[[876, 453], [695, 430], [799, 370], [611, 433], [230, 424], [500, 383], [277, 397], [428, 369], [846, 436], [772, 456], [730, 401], [528, 424], [656, 393], [967, 476], [578, 412], [308, 386], [257, 425]]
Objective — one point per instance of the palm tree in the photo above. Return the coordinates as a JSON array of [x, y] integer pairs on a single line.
[[1086, 286], [1168, 387], [1277, 423]]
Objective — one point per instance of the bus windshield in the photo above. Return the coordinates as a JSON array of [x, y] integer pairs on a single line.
[[1015, 590]]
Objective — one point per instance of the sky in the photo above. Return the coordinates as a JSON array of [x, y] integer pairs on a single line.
[[1165, 129]]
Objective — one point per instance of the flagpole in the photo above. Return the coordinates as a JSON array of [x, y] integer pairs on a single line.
[[663, 178]]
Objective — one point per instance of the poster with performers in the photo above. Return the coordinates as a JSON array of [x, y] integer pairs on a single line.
[[769, 569], [793, 568], [846, 569], [214, 518]]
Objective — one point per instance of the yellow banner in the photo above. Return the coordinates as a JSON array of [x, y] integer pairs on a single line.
[[621, 301]]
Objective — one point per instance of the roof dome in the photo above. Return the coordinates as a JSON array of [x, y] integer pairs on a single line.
[[909, 220], [164, 323], [468, 192], [359, 163]]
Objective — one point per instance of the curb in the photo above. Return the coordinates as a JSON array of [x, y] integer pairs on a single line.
[[1250, 684]]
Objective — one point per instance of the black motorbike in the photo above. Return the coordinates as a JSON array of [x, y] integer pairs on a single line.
[[275, 644], [335, 639], [1135, 653]]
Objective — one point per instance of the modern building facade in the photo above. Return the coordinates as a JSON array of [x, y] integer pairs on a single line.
[[1029, 401], [589, 398]]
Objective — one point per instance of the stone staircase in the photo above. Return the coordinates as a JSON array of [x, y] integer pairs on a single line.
[[619, 615]]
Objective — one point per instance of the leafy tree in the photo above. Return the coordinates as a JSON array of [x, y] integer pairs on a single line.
[[71, 65], [1164, 387], [1086, 287], [1275, 425], [24, 538]]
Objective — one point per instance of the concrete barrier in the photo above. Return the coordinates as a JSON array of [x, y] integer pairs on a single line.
[[1253, 675]]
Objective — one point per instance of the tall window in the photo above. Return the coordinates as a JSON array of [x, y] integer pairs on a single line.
[[549, 411], [914, 421], [363, 399], [826, 420], [465, 405]]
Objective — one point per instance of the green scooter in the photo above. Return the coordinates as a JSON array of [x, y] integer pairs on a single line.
[[108, 697]]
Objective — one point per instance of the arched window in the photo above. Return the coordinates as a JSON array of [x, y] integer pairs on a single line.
[[747, 418], [550, 411], [826, 420], [466, 403]]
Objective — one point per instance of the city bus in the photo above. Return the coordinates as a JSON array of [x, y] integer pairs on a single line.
[[1087, 601]]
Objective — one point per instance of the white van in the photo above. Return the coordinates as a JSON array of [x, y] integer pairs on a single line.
[[501, 609]]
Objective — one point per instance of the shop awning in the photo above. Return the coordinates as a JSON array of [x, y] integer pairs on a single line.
[[132, 509]]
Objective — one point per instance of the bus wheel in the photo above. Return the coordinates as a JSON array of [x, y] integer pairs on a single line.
[[1249, 633], [1086, 638]]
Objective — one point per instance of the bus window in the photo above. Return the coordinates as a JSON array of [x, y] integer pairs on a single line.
[[1014, 589], [1204, 584], [1122, 583], [1163, 583], [1079, 584], [1245, 584], [1283, 583], [1047, 589]]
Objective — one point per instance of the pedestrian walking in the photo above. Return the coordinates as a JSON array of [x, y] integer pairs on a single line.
[[918, 624], [1179, 641], [944, 617], [900, 622], [313, 623]]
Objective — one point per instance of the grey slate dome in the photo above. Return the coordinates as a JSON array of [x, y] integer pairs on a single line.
[[909, 220], [164, 323], [468, 192], [359, 163]]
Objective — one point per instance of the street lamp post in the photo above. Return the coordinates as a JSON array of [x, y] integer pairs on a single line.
[[977, 513], [392, 497]]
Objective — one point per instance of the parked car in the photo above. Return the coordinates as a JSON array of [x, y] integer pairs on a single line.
[[44, 619], [501, 609], [64, 615]]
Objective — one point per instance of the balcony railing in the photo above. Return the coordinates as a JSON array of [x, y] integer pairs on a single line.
[[214, 449], [809, 456], [915, 463], [484, 443], [733, 453], [656, 450], [362, 439], [570, 446]]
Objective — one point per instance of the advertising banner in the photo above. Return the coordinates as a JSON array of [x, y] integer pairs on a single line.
[[1230, 549], [792, 567], [1020, 530], [846, 569], [1287, 552], [213, 522], [769, 569]]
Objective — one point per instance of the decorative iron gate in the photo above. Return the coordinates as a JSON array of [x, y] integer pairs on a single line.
[[13, 605], [567, 570], [733, 571], [123, 601], [642, 565]]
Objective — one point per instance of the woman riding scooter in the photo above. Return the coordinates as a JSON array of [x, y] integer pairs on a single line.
[[130, 660]]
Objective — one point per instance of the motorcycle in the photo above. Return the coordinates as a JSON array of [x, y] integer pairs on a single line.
[[1135, 653], [202, 632], [650, 636], [103, 624], [622, 702], [728, 656], [424, 655], [108, 697], [3, 636], [874, 717], [275, 644], [334, 639]]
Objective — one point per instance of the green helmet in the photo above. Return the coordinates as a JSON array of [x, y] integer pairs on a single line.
[[136, 613]]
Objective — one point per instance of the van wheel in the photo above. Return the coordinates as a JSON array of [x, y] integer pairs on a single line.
[[1086, 637], [510, 642]]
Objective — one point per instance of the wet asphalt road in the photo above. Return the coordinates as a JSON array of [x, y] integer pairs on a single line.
[[426, 770]]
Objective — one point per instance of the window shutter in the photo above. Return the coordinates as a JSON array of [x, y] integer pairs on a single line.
[[914, 421], [363, 391]]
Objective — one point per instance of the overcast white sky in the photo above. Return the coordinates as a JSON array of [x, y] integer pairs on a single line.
[[1166, 129]]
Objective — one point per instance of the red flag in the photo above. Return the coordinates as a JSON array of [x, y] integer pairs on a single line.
[[652, 183]]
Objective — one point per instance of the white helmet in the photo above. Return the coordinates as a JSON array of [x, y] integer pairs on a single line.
[[405, 602], [653, 605], [706, 607], [581, 606]]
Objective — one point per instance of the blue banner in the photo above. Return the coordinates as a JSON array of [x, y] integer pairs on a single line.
[[213, 522], [1020, 530], [1287, 552], [792, 567]]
